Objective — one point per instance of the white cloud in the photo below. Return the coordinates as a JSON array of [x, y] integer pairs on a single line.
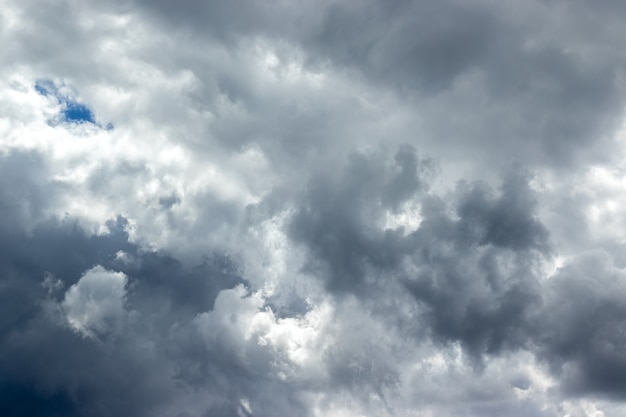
[[95, 304]]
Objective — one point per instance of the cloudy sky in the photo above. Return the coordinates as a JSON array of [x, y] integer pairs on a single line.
[[330, 208]]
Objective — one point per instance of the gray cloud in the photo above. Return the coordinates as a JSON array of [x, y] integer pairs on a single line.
[[338, 221], [477, 275], [324, 208], [582, 325], [49, 369]]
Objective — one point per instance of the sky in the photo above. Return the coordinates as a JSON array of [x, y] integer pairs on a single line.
[[337, 208]]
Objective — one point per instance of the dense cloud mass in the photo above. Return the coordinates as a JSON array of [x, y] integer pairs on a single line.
[[331, 208]]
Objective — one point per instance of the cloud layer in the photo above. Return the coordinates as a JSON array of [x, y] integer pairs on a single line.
[[355, 208]]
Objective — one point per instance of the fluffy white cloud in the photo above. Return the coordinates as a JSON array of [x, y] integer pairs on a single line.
[[95, 304]]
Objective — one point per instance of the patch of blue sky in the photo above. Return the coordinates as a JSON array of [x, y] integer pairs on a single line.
[[72, 111]]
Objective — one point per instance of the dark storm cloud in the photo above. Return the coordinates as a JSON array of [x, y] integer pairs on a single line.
[[508, 221], [582, 326], [474, 266], [476, 275], [477, 292], [152, 359], [338, 218], [48, 369], [59, 372]]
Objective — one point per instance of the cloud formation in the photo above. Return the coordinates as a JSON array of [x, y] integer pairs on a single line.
[[355, 208]]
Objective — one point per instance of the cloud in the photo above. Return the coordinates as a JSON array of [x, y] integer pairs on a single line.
[[326, 208], [338, 221], [24, 196], [582, 322], [96, 302], [477, 275]]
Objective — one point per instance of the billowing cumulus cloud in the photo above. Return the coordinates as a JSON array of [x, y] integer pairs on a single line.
[[332, 208], [96, 302]]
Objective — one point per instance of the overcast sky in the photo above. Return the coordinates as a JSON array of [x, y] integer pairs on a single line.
[[330, 208]]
